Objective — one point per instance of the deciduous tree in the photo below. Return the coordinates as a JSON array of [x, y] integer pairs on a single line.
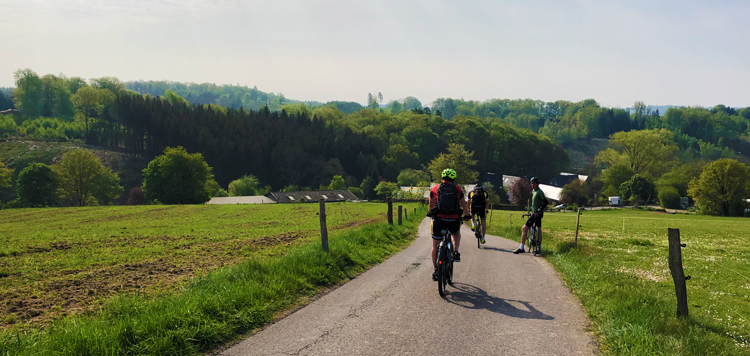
[[177, 177], [37, 186], [460, 160], [722, 188], [85, 180]]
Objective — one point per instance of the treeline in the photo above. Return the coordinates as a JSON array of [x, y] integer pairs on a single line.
[[702, 130]]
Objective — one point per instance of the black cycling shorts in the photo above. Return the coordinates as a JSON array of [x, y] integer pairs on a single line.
[[535, 218], [440, 224], [479, 210]]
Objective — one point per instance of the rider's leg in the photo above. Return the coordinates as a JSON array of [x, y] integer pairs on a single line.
[[456, 239], [484, 227], [435, 244], [539, 234], [524, 231]]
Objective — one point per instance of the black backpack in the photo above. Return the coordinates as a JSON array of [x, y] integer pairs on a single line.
[[447, 200], [478, 198]]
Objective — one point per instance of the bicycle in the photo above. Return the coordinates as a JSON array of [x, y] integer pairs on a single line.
[[532, 238], [445, 260], [477, 222]]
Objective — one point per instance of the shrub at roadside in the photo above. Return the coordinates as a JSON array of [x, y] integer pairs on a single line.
[[669, 197], [177, 177]]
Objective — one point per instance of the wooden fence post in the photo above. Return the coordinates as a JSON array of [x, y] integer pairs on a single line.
[[406, 214], [678, 275], [578, 221], [399, 214], [323, 227], [390, 212]]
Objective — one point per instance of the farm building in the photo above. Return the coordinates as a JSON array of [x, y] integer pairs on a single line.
[[289, 197]]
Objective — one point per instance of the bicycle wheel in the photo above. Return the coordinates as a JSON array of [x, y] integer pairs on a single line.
[[531, 240], [441, 271], [449, 269], [478, 233]]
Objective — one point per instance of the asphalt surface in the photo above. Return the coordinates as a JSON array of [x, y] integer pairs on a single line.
[[500, 304]]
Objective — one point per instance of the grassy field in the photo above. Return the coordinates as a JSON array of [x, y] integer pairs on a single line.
[[62, 261], [619, 272]]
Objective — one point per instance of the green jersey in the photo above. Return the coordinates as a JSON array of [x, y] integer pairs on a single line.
[[537, 200]]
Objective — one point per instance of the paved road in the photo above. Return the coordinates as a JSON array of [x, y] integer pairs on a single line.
[[501, 304]]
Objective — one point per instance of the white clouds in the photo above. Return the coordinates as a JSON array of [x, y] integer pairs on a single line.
[[615, 52]]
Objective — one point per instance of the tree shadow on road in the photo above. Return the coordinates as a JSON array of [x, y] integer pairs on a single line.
[[471, 297]]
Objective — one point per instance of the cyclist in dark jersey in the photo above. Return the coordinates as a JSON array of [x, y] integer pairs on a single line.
[[442, 221], [479, 202]]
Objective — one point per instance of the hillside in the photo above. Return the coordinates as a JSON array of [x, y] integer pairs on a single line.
[[17, 153]]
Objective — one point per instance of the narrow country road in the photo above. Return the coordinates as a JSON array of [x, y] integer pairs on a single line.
[[501, 304]]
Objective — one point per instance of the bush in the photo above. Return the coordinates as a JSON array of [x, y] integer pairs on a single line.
[[669, 197], [136, 196]]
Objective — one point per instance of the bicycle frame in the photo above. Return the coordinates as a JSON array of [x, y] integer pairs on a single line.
[[531, 237]]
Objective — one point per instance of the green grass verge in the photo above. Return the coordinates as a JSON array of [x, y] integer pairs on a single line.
[[619, 272], [218, 307]]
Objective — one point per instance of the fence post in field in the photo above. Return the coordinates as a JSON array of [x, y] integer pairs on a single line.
[[323, 228], [578, 220], [678, 275], [390, 212], [406, 214], [399, 214]]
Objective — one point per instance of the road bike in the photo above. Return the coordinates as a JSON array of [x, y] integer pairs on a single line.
[[445, 260], [532, 237], [477, 222]]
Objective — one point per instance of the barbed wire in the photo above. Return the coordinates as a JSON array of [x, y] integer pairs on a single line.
[[718, 300], [727, 268]]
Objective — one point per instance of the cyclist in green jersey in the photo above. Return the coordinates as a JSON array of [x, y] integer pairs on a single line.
[[538, 203]]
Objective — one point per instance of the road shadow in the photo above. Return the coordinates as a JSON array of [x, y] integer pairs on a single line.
[[496, 249], [472, 297]]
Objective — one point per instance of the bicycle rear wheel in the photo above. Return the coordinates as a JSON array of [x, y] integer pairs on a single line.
[[441, 270]]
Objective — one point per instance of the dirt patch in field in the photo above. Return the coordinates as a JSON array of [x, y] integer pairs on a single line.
[[73, 292], [353, 224]]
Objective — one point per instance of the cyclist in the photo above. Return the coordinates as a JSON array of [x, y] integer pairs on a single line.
[[446, 204], [538, 203], [479, 202]]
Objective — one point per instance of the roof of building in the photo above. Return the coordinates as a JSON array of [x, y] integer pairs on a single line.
[[551, 192], [313, 196], [257, 199]]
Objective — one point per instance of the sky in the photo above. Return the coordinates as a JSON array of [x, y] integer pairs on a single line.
[[693, 53]]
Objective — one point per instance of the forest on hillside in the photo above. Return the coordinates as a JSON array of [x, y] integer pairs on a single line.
[[287, 143]]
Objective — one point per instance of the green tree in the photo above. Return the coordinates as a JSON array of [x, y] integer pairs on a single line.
[[639, 188], [669, 197], [177, 177], [245, 186], [645, 151], [411, 177], [90, 102], [37, 186], [337, 183], [721, 188], [85, 180], [399, 157], [368, 187], [460, 160], [614, 176], [173, 98], [577, 191], [28, 93], [215, 190], [5, 175], [387, 189]]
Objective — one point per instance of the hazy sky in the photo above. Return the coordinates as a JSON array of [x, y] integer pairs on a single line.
[[617, 52]]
